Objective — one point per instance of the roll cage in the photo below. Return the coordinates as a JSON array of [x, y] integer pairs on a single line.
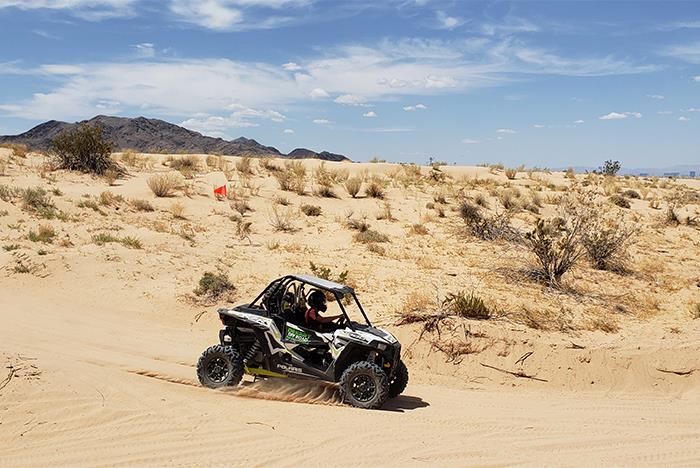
[[278, 287]]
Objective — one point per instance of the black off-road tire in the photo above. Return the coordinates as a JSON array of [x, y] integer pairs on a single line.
[[364, 385], [220, 366], [399, 381]]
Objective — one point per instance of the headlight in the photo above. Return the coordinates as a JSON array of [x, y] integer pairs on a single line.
[[381, 346]]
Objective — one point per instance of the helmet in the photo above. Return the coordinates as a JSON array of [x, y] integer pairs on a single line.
[[317, 300]]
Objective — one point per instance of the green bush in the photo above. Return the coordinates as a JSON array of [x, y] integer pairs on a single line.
[[213, 285], [370, 235], [467, 306], [84, 149], [310, 210]]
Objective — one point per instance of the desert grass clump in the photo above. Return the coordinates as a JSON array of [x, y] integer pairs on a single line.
[[177, 209], [671, 217], [557, 247], [44, 233], [213, 285], [18, 150], [131, 242], [631, 194], [511, 199], [245, 166], [353, 186], [269, 165], [142, 205], [370, 236], [619, 200], [84, 149], [418, 229], [466, 305], [293, 177], [310, 210], [511, 173], [281, 219], [104, 238], [386, 212], [480, 199], [279, 200], [39, 201], [377, 249], [188, 165], [356, 224], [487, 227], [375, 188], [695, 310], [108, 198], [440, 197], [164, 185], [325, 191]]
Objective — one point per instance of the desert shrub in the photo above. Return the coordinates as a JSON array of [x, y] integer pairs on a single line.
[[376, 248], [386, 213], [325, 191], [510, 199], [108, 198], [293, 177], [111, 175], [619, 200], [353, 186], [90, 203], [213, 285], [606, 242], [281, 219], [327, 274], [39, 201], [186, 165], [142, 205], [177, 209], [131, 242], [609, 168], [310, 210], [557, 247], [671, 218], [466, 305], [44, 233], [695, 310], [104, 238], [357, 224], [164, 185], [244, 229], [242, 207], [18, 150], [268, 165], [631, 194], [511, 173], [570, 174], [419, 229], [375, 188], [11, 247], [84, 149], [440, 197], [480, 200], [245, 165], [281, 201], [370, 235], [487, 227]]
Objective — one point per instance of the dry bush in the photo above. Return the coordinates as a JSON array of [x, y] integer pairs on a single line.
[[108, 198], [83, 149], [242, 207], [376, 248], [325, 191], [269, 166], [605, 324], [557, 247], [280, 200], [177, 209], [375, 188], [44, 233], [695, 310], [310, 210], [419, 229], [214, 285], [353, 186], [188, 165], [35, 199], [606, 242], [511, 199], [18, 150], [244, 229], [245, 165], [570, 174], [631, 194], [370, 235], [134, 159], [671, 217], [356, 224], [511, 173], [492, 227], [142, 205], [164, 185], [386, 213], [281, 219], [440, 197], [415, 307], [3, 167], [654, 204], [619, 200], [293, 177], [480, 200]]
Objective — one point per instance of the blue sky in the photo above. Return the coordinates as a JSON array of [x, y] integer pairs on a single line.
[[528, 82]]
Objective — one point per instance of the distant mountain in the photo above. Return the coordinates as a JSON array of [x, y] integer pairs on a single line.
[[153, 135]]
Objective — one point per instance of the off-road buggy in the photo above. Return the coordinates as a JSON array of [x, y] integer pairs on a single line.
[[269, 338]]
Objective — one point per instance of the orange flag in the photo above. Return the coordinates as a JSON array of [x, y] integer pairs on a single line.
[[220, 191]]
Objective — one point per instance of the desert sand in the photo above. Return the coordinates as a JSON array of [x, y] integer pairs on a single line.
[[99, 342]]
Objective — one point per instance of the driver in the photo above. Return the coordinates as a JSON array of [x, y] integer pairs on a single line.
[[317, 303]]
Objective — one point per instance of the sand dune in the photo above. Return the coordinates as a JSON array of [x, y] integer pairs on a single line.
[[99, 342]]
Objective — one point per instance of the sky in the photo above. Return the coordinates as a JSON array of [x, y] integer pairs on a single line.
[[540, 83]]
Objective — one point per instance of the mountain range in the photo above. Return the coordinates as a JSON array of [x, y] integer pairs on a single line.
[[154, 135]]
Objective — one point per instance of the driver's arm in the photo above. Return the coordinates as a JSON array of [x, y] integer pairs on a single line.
[[328, 319]]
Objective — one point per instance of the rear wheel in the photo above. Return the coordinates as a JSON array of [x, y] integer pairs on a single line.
[[364, 385], [399, 381], [220, 366]]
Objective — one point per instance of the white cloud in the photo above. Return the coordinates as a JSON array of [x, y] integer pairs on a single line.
[[414, 108], [388, 130], [656, 96], [350, 100], [469, 141], [508, 131], [538, 126], [686, 52], [229, 15], [370, 114], [579, 121], [321, 121], [145, 49], [664, 112], [291, 66], [288, 131], [242, 117], [319, 93], [92, 10], [619, 115], [696, 79], [691, 109], [58, 69], [683, 118], [447, 22]]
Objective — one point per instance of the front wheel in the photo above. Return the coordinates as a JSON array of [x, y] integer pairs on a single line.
[[364, 385], [399, 381], [220, 366]]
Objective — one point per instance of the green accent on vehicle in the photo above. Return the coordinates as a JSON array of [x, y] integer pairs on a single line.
[[297, 336], [265, 372]]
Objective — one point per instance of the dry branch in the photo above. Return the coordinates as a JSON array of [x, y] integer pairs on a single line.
[[520, 374]]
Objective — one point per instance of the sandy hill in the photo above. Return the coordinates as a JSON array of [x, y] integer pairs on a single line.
[[143, 134], [100, 327]]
